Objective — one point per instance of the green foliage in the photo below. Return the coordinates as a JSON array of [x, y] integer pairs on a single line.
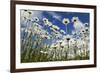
[[34, 55], [30, 54]]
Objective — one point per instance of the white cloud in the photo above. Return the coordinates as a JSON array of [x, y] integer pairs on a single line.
[[38, 14], [55, 15]]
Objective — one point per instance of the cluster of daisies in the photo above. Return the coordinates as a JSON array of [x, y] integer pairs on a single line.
[[59, 43]]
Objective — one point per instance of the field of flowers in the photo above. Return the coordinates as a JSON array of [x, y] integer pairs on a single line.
[[42, 40]]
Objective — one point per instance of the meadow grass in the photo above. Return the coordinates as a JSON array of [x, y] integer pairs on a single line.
[[34, 55]]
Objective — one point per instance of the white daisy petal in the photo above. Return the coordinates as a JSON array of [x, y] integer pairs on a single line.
[[45, 20], [62, 31], [36, 19], [65, 21], [75, 19], [55, 27]]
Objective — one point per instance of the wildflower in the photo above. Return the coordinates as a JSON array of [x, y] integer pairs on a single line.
[[26, 14], [82, 31], [52, 29], [41, 51], [80, 43], [60, 41], [70, 56], [25, 10], [55, 27], [30, 12], [57, 32], [75, 19], [87, 29], [44, 52], [59, 35], [72, 42], [45, 20], [23, 14], [62, 31], [65, 21], [77, 23], [35, 27], [54, 46], [61, 44], [45, 36], [35, 19], [28, 31], [86, 24], [49, 24], [73, 32], [68, 37]]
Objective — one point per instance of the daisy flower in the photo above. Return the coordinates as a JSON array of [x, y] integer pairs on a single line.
[[54, 46], [82, 31], [55, 27], [87, 29], [52, 29], [36, 19], [75, 19], [41, 51], [77, 24], [49, 24], [45, 20], [68, 37], [62, 31], [35, 24], [86, 24], [65, 21]]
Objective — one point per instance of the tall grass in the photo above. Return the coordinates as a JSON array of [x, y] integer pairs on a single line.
[[30, 54]]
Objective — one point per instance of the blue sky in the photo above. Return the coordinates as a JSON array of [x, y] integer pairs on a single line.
[[56, 18]]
